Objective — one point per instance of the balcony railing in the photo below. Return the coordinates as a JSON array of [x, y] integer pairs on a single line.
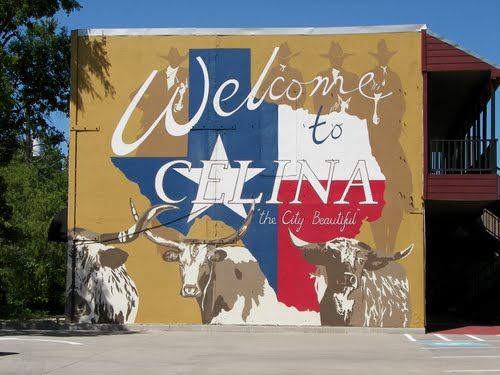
[[459, 156]]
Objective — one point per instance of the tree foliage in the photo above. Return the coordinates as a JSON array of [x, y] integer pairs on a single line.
[[32, 270], [34, 71], [34, 82]]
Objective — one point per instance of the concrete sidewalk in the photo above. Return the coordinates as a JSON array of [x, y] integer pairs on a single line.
[[53, 325]]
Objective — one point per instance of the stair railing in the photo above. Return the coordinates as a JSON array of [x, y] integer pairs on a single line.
[[491, 223]]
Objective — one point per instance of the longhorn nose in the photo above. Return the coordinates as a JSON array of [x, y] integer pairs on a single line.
[[190, 290]]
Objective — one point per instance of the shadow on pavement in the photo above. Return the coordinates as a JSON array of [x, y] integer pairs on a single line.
[[3, 354], [455, 323], [65, 333], [51, 327]]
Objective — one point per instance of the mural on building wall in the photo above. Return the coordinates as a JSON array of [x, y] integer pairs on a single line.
[[258, 186]]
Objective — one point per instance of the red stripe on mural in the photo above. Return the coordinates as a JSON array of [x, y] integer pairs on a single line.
[[314, 221]]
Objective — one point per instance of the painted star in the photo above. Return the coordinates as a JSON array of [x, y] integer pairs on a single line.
[[221, 184]]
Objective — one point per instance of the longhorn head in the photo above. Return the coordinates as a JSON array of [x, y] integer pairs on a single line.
[[195, 256], [347, 251], [344, 260]]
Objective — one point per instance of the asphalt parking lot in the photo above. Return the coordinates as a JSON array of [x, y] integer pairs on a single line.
[[245, 352]]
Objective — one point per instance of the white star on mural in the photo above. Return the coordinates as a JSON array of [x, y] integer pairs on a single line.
[[221, 183]]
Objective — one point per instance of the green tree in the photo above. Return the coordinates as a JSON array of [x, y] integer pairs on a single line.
[[34, 82], [32, 270], [34, 71]]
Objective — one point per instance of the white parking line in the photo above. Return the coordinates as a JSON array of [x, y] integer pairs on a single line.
[[474, 337], [467, 356], [39, 340], [488, 370], [462, 347], [442, 337], [410, 337]]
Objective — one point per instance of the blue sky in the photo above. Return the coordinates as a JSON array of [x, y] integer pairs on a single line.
[[472, 24]]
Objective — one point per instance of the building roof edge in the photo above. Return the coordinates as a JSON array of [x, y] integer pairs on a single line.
[[253, 31]]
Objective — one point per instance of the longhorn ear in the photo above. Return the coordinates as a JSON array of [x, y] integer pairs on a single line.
[[170, 256], [217, 255], [112, 258]]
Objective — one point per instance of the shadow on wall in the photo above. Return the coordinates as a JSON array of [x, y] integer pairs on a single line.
[[92, 64]]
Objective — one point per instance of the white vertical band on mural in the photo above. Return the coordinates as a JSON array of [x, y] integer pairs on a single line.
[[295, 142]]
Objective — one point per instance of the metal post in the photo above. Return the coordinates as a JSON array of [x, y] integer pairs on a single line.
[[492, 110], [73, 285], [427, 153], [484, 137], [466, 151], [461, 156], [493, 144], [476, 143]]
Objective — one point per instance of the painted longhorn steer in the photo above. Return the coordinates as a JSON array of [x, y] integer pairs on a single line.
[[356, 285], [103, 291], [227, 281]]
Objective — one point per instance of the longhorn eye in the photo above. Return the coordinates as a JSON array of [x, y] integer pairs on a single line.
[[361, 260]]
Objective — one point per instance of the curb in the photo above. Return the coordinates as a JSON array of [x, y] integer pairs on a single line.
[[273, 329], [49, 325]]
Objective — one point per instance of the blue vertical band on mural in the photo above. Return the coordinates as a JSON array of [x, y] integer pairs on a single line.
[[245, 135]]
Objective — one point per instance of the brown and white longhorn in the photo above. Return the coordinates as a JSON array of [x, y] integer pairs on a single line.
[[227, 281], [101, 290], [357, 285]]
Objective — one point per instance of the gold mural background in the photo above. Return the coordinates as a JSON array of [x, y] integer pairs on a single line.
[[99, 193]]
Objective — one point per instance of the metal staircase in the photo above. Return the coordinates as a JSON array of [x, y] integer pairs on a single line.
[[489, 274]]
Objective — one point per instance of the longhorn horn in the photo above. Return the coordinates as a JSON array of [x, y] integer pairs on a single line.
[[235, 236], [133, 232], [312, 246], [403, 253], [389, 257], [301, 244], [153, 237], [297, 241]]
